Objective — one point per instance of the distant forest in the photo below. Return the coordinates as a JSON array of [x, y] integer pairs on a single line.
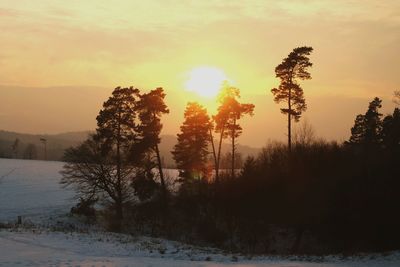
[[29, 146]]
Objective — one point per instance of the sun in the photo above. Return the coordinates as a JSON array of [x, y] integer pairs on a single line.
[[205, 81]]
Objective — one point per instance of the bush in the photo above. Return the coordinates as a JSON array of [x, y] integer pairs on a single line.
[[85, 207]]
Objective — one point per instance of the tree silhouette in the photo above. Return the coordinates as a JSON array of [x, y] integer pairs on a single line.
[[304, 134], [116, 130], [358, 130], [30, 152], [103, 166], [367, 128], [293, 68], [151, 107], [191, 151], [373, 122], [226, 120], [92, 172], [391, 130], [15, 147]]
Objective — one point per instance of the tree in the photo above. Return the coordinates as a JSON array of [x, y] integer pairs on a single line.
[[367, 128], [150, 109], [226, 160], [373, 123], [191, 151], [92, 173], [15, 147], [358, 130], [103, 166], [116, 130], [30, 152], [226, 120], [391, 130], [44, 142], [290, 71], [304, 134]]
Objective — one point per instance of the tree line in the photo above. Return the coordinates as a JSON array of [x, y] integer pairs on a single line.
[[335, 193], [18, 149]]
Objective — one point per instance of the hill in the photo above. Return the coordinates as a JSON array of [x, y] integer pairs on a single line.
[[30, 146]]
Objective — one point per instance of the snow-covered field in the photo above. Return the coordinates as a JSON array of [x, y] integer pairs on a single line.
[[30, 189]]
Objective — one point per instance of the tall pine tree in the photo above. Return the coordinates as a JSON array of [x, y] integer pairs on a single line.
[[227, 124], [102, 166], [191, 151], [151, 107], [290, 71]]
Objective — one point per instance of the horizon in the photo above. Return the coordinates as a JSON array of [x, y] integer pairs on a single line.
[[225, 142], [339, 130]]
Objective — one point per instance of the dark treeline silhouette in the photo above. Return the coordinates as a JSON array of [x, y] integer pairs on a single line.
[[306, 196], [321, 197]]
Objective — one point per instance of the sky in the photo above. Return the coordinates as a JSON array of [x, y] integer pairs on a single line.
[[59, 60]]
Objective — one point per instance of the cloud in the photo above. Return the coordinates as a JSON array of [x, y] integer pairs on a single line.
[[101, 42], [8, 12]]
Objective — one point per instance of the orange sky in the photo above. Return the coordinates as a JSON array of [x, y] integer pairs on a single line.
[[60, 59]]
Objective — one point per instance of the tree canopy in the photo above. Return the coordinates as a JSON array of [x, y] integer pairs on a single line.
[[191, 151]]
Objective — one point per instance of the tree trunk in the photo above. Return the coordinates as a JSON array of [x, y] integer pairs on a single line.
[[119, 215], [214, 155], [233, 149], [289, 133], [160, 170], [119, 185], [219, 153], [290, 120]]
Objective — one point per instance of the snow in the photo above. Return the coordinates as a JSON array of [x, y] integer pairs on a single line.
[[28, 248], [31, 189]]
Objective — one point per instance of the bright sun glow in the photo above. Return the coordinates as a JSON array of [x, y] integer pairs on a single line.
[[205, 81]]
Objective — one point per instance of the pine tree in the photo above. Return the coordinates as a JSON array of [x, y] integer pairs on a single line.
[[293, 68], [191, 151], [391, 130], [226, 120], [373, 123], [102, 166], [150, 108], [116, 129], [358, 130], [368, 127]]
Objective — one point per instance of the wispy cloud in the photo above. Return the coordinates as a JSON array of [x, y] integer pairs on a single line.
[[8, 12], [49, 41]]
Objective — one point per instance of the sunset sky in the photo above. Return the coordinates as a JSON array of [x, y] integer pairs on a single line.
[[59, 60]]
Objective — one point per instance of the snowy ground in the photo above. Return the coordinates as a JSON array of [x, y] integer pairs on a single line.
[[30, 189], [29, 248]]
